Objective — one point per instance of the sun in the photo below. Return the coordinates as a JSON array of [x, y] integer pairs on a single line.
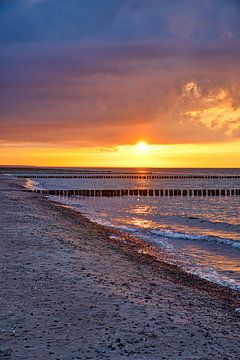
[[142, 147]]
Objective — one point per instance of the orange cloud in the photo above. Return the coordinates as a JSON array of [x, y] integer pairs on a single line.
[[214, 110]]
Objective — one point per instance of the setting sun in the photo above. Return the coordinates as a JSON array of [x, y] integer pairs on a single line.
[[142, 147]]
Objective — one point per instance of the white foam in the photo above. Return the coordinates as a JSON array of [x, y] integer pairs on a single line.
[[178, 235]]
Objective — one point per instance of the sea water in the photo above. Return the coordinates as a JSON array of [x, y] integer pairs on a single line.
[[200, 234]]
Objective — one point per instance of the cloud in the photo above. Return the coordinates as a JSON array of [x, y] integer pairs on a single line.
[[24, 21], [214, 109], [117, 71], [114, 97], [34, 2]]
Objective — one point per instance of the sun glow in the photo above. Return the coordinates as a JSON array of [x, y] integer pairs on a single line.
[[138, 155], [142, 147]]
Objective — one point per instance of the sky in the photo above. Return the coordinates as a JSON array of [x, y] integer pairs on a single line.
[[82, 82]]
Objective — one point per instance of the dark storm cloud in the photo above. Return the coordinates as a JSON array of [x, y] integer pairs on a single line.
[[70, 20], [54, 20]]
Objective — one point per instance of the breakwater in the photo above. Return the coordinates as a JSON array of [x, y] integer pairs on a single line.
[[137, 177], [138, 192]]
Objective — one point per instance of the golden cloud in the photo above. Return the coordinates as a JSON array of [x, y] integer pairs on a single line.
[[214, 109]]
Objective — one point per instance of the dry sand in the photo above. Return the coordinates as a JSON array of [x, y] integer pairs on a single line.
[[71, 289]]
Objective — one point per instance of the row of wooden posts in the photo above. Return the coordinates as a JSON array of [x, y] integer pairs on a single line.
[[17, 171], [150, 177], [140, 192]]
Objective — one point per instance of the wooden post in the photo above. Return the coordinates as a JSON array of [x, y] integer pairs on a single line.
[[184, 192], [150, 193]]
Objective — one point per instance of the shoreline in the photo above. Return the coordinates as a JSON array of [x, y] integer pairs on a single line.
[[155, 253], [146, 253], [74, 289]]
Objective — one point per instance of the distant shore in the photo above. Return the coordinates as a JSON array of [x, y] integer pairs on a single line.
[[72, 289]]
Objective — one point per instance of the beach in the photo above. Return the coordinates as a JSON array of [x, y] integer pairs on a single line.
[[72, 289]]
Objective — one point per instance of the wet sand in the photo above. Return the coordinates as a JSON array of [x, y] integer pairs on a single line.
[[71, 289]]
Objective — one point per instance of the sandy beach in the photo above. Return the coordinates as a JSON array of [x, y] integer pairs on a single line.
[[72, 289]]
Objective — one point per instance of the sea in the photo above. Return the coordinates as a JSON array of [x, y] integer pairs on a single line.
[[201, 234]]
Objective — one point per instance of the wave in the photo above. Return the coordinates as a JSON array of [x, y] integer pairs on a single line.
[[32, 184], [154, 232], [179, 235], [196, 220]]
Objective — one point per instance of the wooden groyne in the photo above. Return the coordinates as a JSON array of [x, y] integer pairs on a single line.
[[16, 172], [139, 192], [29, 170], [137, 177]]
